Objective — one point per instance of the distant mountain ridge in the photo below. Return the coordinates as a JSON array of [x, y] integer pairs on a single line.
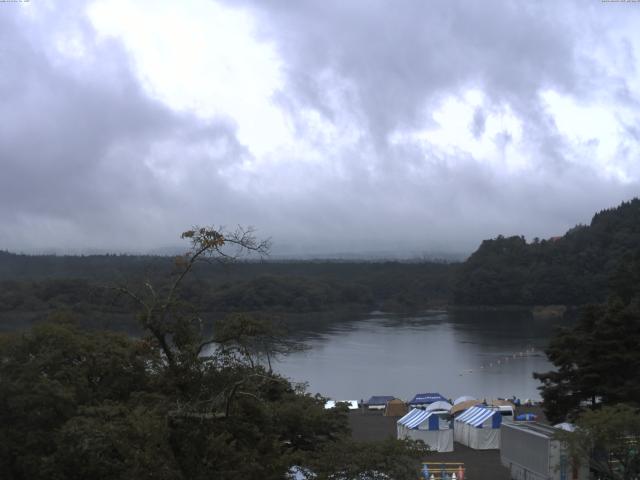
[[574, 269]]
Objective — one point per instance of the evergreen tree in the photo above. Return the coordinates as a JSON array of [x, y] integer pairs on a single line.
[[598, 360]]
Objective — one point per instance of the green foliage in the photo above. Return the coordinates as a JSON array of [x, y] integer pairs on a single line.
[[78, 405], [597, 361], [395, 459], [48, 377], [291, 290], [571, 270], [610, 438], [297, 294], [173, 405], [114, 440]]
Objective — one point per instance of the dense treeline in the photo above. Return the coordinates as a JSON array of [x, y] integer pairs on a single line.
[[85, 286], [21, 266], [571, 270]]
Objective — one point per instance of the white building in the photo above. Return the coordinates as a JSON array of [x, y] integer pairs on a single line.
[[530, 452]]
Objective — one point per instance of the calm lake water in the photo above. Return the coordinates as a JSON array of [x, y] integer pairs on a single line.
[[455, 353]]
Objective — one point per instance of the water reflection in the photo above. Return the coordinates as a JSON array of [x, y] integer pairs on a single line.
[[461, 353]]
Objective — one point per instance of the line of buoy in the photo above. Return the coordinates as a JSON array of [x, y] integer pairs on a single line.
[[520, 354]]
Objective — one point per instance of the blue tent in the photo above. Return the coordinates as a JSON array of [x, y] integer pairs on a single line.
[[527, 417], [379, 400], [426, 398]]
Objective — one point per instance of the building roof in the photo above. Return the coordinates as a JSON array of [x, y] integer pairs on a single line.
[[533, 427]]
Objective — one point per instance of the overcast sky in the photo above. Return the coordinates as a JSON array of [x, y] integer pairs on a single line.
[[331, 126]]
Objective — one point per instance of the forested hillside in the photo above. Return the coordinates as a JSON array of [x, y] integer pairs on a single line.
[[572, 270], [31, 287]]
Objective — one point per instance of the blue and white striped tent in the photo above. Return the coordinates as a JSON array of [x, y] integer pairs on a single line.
[[417, 417], [433, 428], [477, 416], [478, 428]]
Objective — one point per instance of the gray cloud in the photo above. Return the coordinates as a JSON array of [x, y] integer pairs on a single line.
[[478, 123], [88, 157], [90, 160], [400, 61], [403, 57]]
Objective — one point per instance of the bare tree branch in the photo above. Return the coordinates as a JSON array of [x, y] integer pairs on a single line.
[[161, 312]]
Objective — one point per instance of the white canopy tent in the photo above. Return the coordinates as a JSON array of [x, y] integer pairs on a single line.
[[478, 428], [351, 404], [439, 406], [568, 427], [430, 427], [464, 398]]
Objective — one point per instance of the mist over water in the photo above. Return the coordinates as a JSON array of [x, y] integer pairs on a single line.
[[453, 353]]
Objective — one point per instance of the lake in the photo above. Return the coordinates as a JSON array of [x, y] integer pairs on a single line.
[[479, 353]]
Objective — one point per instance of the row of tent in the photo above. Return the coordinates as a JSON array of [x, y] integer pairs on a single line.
[[394, 407], [419, 400], [477, 428], [530, 450], [433, 401]]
